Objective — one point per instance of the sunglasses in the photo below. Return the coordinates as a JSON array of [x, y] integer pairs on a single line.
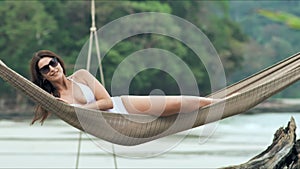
[[46, 69]]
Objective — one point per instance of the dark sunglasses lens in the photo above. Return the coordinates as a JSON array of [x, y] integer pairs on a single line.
[[45, 69], [53, 62]]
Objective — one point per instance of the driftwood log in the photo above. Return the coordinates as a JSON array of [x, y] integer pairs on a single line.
[[283, 153]]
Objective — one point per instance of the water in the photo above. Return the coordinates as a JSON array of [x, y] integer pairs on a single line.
[[54, 145]]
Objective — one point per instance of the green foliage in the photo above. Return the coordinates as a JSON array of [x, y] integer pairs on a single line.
[[273, 33], [63, 26], [290, 20], [24, 28], [283, 46], [248, 35], [153, 6], [193, 11], [73, 21]]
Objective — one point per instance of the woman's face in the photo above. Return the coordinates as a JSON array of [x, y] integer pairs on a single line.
[[50, 68]]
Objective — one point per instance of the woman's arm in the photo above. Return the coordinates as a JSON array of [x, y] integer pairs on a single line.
[[103, 100], [102, 104]]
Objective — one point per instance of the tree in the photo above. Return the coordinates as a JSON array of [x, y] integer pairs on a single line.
[[229, 40], [63, 26], [24, 28]]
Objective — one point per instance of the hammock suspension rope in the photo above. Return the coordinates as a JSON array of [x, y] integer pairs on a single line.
[[93, 35]]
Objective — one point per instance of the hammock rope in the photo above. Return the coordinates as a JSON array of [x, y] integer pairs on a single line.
[[93, 36], [137, 129]]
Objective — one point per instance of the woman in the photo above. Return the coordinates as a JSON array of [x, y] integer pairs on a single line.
[[84, 90]]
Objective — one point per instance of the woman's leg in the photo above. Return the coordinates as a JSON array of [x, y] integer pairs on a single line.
[[164, 105]]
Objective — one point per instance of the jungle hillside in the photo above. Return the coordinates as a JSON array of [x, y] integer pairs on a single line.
[[247, 35]]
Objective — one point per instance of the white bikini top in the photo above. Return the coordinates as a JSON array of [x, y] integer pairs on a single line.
[[90, 98], [87, 92]]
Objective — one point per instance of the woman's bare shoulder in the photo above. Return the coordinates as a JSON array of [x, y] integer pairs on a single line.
[[81, 75], [81, 72]]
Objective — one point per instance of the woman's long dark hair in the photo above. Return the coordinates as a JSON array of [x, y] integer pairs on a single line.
[[38, 79]]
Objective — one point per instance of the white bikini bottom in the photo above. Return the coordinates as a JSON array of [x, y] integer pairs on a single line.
[[118, 106]]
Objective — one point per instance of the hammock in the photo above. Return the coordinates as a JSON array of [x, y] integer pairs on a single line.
[[137, 129]]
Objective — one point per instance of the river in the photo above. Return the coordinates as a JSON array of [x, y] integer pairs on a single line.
[[55, 145]]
